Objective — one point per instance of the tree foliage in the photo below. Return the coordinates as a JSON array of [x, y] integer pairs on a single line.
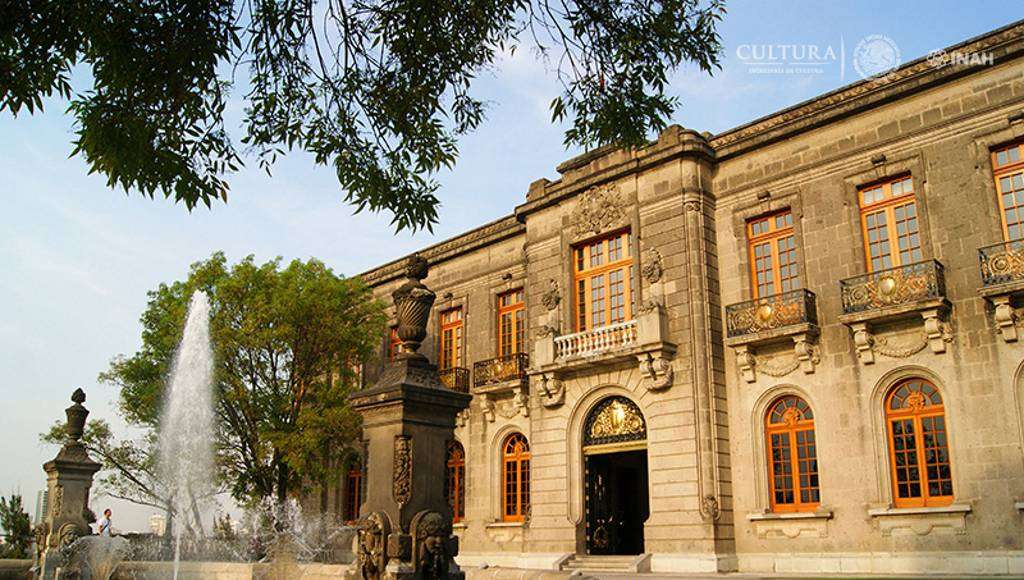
[[286, 339], [16, 526], [380, 90]]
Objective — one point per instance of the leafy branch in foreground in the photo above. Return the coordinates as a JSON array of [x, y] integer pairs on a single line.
[[379, 90]]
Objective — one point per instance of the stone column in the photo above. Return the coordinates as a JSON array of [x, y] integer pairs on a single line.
[[68, 479], [405, 528]]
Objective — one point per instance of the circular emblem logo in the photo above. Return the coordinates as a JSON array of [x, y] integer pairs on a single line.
[[875, 56]]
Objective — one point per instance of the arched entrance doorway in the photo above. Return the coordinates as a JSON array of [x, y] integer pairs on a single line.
[[615, 475]]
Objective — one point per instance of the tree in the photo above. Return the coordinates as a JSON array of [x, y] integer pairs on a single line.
[[285, 341], [378, 90], [17, 528]]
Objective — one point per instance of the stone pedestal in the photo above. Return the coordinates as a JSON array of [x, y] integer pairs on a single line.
[[405, 528], [68, 480]]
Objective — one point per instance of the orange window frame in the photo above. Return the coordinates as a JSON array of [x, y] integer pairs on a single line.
[[450, 338], [917, 415], [457, 480], [1008, 171], [609, 302], [890, 205], [511, 322], [393, 342], [797, 431], [515, 478], [353, 491], [776, 233]]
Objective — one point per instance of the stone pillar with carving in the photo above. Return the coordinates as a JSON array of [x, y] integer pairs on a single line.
[[405, 526], [68, 480]]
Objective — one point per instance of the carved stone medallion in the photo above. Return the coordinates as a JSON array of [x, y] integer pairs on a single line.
[[599, 210]]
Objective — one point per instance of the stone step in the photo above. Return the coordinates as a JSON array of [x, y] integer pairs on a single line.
[[607, 563]]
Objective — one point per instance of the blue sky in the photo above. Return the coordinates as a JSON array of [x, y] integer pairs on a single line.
[[78, 258]]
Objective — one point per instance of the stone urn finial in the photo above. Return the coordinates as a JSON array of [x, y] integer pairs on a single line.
[[76, 415], [413, 301]]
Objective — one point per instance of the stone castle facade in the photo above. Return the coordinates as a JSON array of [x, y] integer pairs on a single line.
[[792, 346]]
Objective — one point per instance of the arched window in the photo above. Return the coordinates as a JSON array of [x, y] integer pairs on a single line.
[[353, 491], [918, 445], [515, 459], [455, 483], [792, 456]]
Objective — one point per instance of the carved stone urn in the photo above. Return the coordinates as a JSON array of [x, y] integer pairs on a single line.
[[413, 301], [405, 525]]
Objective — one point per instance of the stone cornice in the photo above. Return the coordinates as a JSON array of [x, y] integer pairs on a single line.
[[495, 231], [1004, 44]]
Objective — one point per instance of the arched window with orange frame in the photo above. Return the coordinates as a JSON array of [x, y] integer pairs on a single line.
[[792, 456], [918, 445], [515, 479], [455, 483]]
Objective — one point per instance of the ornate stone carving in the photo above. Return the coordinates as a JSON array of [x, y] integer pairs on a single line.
[[652, 269], [545, 331], [599, 209], [487, 407], [521, 402], [936, 334], [550, 390], [657, 370], [805, 355], [402, 469], [430, 536], [371, 547], [1006, 318], [709, 508], [462, 419], [552, 297], [67, 535], [614, 420], [413, 301]]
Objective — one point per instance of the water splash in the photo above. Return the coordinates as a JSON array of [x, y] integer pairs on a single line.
[[187, 423]]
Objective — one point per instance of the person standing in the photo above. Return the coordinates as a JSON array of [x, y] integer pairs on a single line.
[[106, 523]]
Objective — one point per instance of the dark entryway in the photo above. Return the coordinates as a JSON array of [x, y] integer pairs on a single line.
[[616, 502]]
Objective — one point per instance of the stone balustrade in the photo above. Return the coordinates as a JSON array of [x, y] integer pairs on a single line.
[[597, 341]]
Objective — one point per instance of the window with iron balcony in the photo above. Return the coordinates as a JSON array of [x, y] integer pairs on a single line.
[[508, 368], [1002, 264], [782, 311], [449, 360], [900, 283]]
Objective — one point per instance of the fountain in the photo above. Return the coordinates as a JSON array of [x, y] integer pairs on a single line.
[[187, 423]]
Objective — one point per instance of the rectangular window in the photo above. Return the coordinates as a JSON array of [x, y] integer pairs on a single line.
[[511, 323], [1009, 174], [889, 221], [602, 275], [772, 247], [451, 339]]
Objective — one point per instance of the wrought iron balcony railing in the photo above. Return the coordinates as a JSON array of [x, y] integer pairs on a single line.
[[455, 378], [510, 367], [770, 313], [893, 287], [597, 341], [1002, 263]]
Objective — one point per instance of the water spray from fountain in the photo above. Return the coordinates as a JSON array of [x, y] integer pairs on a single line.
[[187, 422]]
